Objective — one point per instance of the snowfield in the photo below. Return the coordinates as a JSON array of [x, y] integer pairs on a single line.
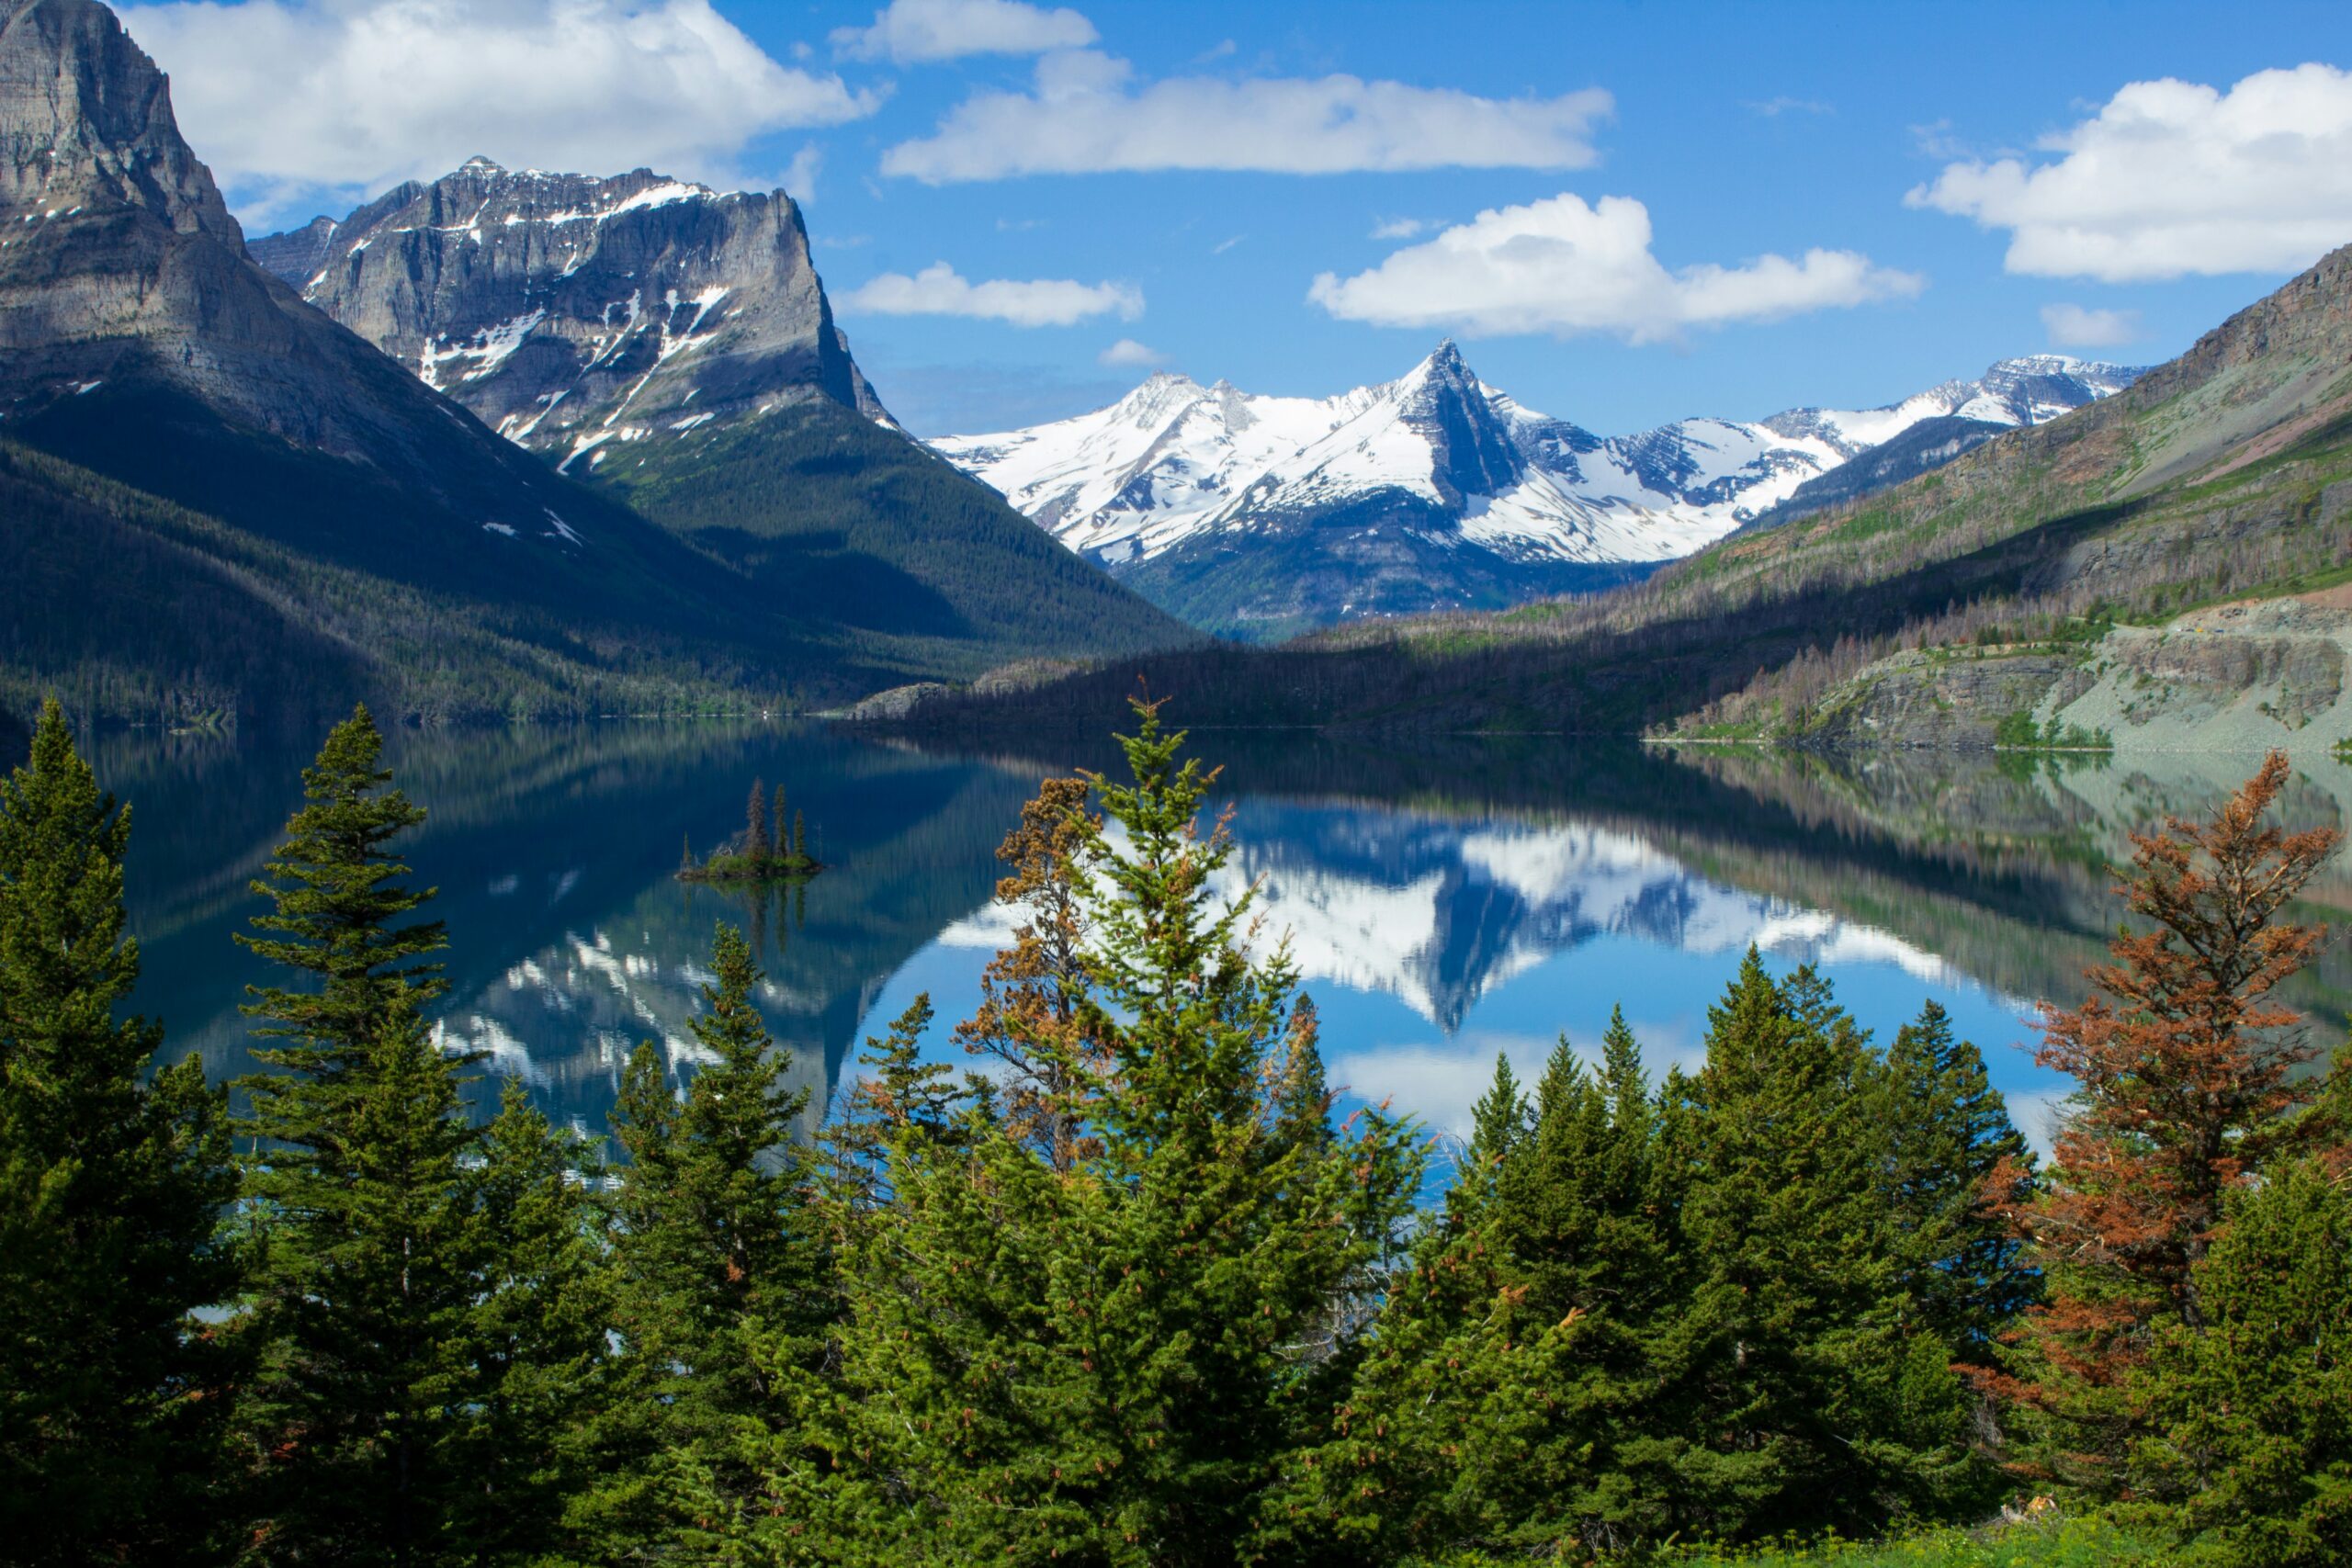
[[1175, 461]]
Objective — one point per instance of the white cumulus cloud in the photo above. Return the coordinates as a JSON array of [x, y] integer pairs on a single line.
[[2079, 326], [1128, 355], [1561, 267], [2173, 177], [286, 96], [911, 32], [938, 290], [1086, 114]]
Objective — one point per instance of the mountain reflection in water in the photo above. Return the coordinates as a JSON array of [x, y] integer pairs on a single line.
[[1441, 905]]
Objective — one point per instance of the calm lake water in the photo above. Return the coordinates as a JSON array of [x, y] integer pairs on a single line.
[[1445, 906]]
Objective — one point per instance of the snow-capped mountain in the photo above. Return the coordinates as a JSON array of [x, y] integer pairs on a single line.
[[1261, 514], [569, 310]]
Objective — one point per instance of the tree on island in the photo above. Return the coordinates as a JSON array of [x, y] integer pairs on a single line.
[[762, 852], [756, 843]]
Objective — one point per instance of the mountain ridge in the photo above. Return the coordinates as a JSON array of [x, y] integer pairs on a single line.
[[1177, 484], [2047, 564], [672, 347], [570, 309], [163, 393]]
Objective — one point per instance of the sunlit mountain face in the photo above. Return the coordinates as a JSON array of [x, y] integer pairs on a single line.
[[1439, 909]]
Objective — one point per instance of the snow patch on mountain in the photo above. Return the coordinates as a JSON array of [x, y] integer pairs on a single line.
[[1174, 462]]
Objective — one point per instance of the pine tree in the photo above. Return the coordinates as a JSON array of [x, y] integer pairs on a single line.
[[2251, 1412], [1100, 1362], [380, 1421], [110, 1396], [1949, 1146], [360, 1414], [756, 843], [1499, 1123], [1795, 1336], [722, 1292], [1033, 1015], [336, 898], [2189, 1085], [1577, 1215], [1509, 1362], [898, 1091], [799, 838], [540, 1331], [778, 817]]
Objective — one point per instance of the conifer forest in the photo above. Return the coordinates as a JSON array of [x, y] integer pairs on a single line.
[[1120, 1288]]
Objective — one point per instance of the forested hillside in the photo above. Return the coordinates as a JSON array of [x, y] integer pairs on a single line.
[[841, 523]]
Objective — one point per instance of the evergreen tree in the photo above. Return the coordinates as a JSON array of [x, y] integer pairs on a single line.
[[1033, 1015], [1578, 1215], [722, 1292], [110, 1396], [2189, 1085], [800, 837], [1794, 1347], [756, 843], [1951, 1156], [2251, 1411], [778, 819], [336, 901], [1499, 1123], [361, 1412], [1301, 1094], [387, 1418], [899, 1090], [540, 1332], [1107, 1363]]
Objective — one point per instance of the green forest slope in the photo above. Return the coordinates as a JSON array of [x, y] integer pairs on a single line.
[[847, 526]]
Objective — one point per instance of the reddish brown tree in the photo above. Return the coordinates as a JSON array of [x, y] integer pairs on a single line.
[[2187, 1068], [1032, 1015]]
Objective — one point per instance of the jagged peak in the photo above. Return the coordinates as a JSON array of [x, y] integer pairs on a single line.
[[478, 164], [1444, 363]]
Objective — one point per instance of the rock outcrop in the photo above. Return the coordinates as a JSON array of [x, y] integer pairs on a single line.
[[569, 311], [133, 320]]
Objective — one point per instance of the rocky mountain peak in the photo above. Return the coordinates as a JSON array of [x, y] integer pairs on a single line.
[[87, 122], [576, 312], [139, 339], [1442, 400]]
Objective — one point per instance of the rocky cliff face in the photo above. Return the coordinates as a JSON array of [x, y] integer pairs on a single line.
[[125, 284], [324, 485], [570, 312]]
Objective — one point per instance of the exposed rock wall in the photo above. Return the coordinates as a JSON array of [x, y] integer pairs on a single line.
[[569, 311]]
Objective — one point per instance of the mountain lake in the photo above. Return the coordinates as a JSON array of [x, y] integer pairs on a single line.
[[1444, 904]]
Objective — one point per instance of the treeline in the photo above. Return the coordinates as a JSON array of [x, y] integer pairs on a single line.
[[1127, 1293]]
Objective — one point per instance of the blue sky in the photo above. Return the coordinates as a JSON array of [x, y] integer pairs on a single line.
[[2105, 178]]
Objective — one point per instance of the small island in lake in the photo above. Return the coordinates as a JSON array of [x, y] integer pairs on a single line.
[[762, 852]]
